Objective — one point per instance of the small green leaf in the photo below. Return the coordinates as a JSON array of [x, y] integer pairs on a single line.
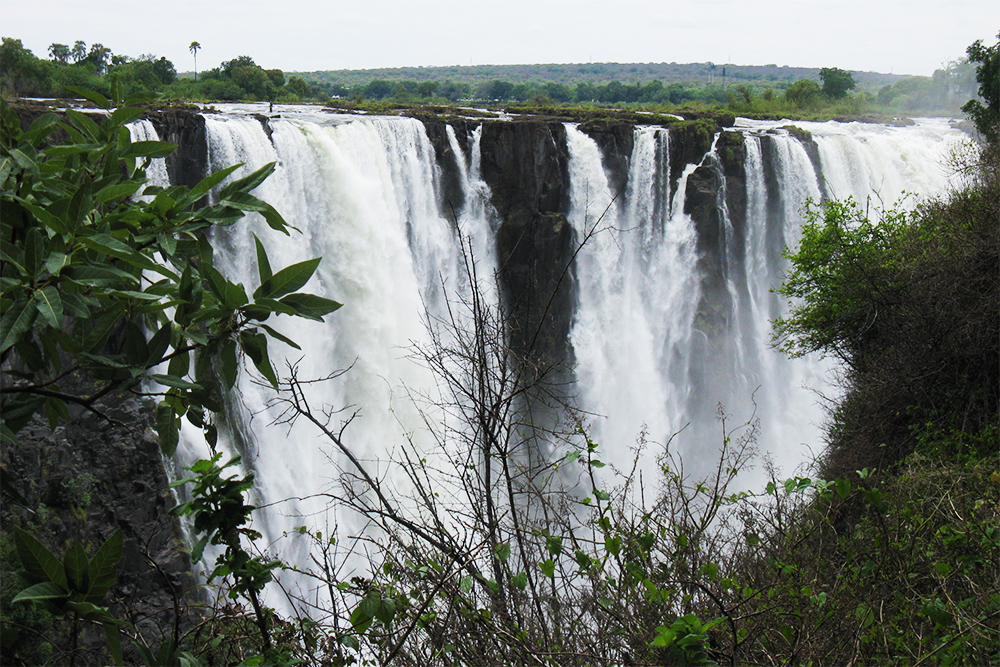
[[39, 563], [548, 568], [520, 581], [287, 280], [553, 544], [255, 345], [100, 101], [386, 610], [104, 566], [46, 590], [263, 265], [167, 427], [503, 552], [77, 568], [17, 319]]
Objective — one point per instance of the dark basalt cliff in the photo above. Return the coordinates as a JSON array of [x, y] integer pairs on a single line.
[[526, 166], [189, 163], [90, 476]]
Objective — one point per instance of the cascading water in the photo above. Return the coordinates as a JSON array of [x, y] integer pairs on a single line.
[[637, 288], [365, 192], [640, 334]]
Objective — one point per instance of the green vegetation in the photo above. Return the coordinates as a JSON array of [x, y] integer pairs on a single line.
[[764, 91], [887, 556], [93, 256]]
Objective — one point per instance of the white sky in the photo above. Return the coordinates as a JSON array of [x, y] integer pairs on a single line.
[[899, 36]]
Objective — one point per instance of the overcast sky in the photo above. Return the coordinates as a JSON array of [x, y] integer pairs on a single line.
[[898, 36]]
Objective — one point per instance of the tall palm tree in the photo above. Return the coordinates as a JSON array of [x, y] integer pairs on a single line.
[[194, 52]]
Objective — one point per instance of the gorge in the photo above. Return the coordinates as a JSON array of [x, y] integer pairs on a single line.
[[634, 266]]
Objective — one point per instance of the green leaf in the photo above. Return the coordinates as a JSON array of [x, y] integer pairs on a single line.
[[77, 568], [466, 584], [104, 566], [230, 364], [55, 263], [100, 101], [284, 339], [386, 610], [553, 544], [174, 381], [263, 265], [255, 345], [520, 581], [153, 149], [46, 590], [39, 563], [248, 183], [209, 182], [158, 345], [113, 634], [180, 364], [124, 115], [665, 637], [503, 552], [287, 280], [50, 306], [16, 321], [310, 306], [167, 426], [116, 191], [548, 568], [119, 250], [34, 247], [613, 545]]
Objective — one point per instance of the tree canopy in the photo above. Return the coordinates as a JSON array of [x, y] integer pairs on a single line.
[[836, 82]]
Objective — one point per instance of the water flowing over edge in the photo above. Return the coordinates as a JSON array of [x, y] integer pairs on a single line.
[[366, 196]]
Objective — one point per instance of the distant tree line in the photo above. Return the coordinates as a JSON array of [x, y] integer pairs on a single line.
[[22, 74], [766, 89]]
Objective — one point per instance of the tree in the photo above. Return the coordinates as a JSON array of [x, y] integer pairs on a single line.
[[21, 73], [193, 48], [59, 52], [836, 82], [89, 268], [378, 89], [79, 51], [98, 57], [986, 117], [803, 93], [229, 66]]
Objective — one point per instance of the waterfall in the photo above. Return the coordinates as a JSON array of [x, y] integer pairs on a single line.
[[637, 286], [365, 193], [143, 130], [649, 360]]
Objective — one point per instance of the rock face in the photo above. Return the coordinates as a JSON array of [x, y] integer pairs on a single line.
[[89, 477], [526, 166], [189, 163], [616, 140], [452, 194]]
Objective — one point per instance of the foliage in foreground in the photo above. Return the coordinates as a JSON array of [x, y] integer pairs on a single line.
[[93, 257]]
